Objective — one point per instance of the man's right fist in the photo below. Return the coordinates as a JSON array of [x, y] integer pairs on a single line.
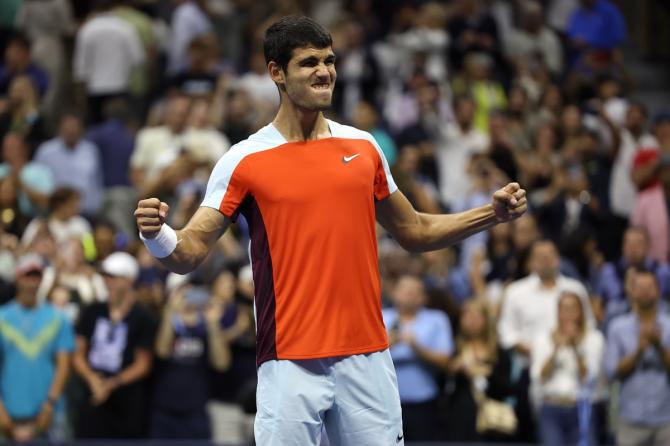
[[150, 215]]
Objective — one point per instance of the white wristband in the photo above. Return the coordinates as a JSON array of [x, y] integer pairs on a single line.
[[163, 244]]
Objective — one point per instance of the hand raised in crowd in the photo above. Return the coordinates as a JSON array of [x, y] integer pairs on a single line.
[[175, 303], [509, 202], [150, 216], [213, 313]]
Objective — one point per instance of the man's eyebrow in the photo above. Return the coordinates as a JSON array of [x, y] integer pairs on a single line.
[[309, 59], [315, 59]]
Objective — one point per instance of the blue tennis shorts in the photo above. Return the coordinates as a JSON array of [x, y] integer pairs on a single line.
[[354, 397]]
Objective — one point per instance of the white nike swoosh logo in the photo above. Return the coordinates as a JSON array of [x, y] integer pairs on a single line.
[[346, 159]]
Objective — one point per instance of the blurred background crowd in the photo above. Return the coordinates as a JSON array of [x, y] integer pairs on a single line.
[[553, 329]]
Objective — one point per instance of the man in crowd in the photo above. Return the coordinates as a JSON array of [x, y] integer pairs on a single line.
[[74, 162], [529, 308], [36, 341], [530, 304], [610, 290], [638, 355], [115, 342]]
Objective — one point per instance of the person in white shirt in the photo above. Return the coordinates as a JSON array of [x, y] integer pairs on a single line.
[[107, 50], [535, 39], [565, 365], [458, 142], [633, 136], [157, 148], [529, 307]]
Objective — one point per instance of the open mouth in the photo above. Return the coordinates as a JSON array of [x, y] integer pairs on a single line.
[[321, 86]]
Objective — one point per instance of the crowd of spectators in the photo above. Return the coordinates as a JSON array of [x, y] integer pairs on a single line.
[[538, 330]]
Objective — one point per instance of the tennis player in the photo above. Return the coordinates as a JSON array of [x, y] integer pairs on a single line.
[[311, 190]]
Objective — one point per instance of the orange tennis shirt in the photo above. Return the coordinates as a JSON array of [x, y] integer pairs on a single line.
[[310, 207]]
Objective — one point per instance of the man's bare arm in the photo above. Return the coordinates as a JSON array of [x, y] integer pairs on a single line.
[[417, 231], [193, 242]]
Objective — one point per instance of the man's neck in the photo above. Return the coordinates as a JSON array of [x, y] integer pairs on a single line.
[[119, 308], [296, 124], [647, 314], [465, 126], [26, 299], [407, 314], [548, 282]]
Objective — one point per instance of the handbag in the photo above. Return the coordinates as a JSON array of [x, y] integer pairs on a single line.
[[496, 417]]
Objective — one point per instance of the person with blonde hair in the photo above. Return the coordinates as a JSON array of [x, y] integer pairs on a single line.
[[480, 369], [565, 364]]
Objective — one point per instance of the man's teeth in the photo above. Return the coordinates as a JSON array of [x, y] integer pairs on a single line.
[[321, 86]]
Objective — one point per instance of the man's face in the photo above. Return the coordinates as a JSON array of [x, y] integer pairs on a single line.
[[635, 118], [310, 76], [70, 130], [644, 290], [635, 247], [16, 56], [177, 112], [408, 294], [14, 150], [465, 112], [545, 260], [29, 282], [117, 286]]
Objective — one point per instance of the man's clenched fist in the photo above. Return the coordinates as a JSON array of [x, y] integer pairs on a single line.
[[509, 202], [150, 215]]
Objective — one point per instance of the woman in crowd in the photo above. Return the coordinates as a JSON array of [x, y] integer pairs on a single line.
[[565, 364], [480, 369]]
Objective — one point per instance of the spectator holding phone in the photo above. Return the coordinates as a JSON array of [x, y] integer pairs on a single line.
[[190, 341]]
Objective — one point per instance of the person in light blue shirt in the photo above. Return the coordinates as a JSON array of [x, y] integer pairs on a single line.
[[609, 287], [36, 341], [74, 162], [638, 355], [421, 345]]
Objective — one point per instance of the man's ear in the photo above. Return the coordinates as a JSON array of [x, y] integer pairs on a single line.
[[276, 73]]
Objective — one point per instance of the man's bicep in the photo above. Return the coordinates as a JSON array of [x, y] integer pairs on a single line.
[[205, 227], [395, 213]]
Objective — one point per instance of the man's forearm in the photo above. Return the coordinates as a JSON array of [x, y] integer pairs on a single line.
[[219, 350], [627, 364], [136, 371], [165, 336], [437, 231], [82, 368], [60, 376], [435, 359], [188, 254]]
